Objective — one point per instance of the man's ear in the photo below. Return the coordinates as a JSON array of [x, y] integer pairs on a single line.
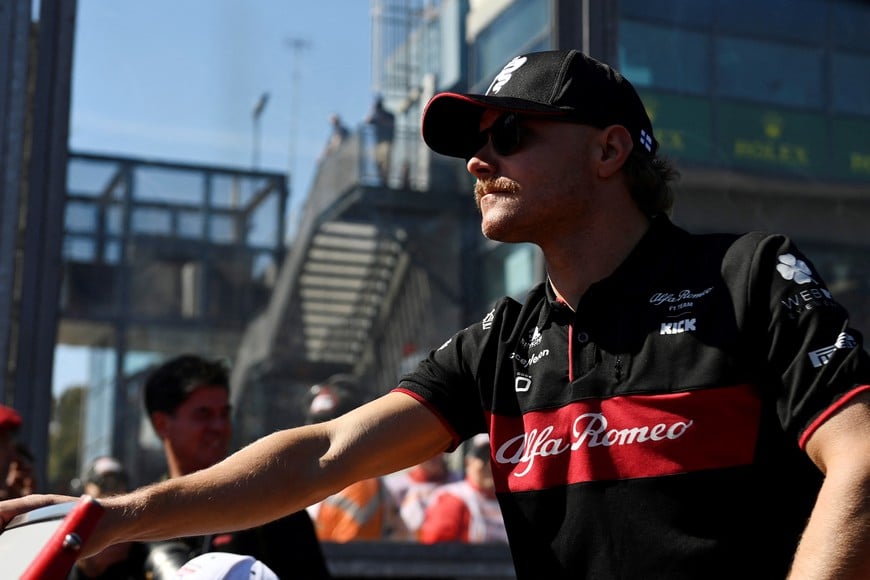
[[160, 422], [615, 142]]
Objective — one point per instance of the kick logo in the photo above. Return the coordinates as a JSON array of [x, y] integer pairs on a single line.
[[791, 268], [679, 327]]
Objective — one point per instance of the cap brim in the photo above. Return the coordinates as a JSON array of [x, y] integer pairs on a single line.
[[451, 121]]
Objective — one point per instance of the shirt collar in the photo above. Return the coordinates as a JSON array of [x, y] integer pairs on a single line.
[[643, 263]]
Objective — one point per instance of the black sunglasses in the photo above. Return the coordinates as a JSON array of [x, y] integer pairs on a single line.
[[505, 133]]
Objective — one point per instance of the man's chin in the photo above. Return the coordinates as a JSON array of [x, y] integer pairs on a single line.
[[499, 233]]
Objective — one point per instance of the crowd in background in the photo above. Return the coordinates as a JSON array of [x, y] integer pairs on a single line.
[[16, 459], [449, 498], [430, 502]]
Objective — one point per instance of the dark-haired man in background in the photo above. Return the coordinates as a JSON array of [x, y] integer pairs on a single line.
[[187, 401]]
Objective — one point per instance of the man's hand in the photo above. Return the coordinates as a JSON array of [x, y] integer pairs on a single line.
[[11, 508], [251, 487]]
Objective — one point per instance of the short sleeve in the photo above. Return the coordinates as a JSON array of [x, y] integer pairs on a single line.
[[812, 359]]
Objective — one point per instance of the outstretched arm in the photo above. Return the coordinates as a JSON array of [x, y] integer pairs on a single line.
[[836, 542], [274, 476]]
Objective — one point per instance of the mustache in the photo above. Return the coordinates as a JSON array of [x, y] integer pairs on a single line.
[[494, 184]]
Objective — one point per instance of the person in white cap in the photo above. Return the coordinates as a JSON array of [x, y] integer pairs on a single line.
[[224, 566], [664, 405], [364, 510], [104, 477], [467, 510]]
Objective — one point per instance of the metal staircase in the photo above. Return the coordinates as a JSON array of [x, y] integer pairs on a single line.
[[371, 281], [343, 288]]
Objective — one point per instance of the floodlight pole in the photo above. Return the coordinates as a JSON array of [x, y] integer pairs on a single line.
[[255, 123], [296, 46]]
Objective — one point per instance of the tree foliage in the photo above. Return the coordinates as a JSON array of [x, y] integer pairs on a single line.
[[64, 439]]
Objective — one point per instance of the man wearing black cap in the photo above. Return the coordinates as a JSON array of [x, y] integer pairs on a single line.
[[664, 405]]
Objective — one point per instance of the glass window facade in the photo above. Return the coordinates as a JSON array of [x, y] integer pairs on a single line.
[[523, 27], [774, 51], [766, 86], [690, 13], [647, 53], [801, 21], [767, 72], [850, 83], [851, 21]]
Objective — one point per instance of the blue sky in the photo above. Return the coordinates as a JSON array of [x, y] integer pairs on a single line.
[[176, 80]]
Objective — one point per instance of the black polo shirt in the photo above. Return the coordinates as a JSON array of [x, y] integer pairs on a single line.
[[657, 431]]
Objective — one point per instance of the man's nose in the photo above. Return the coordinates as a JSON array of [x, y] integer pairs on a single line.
[[481, 165]]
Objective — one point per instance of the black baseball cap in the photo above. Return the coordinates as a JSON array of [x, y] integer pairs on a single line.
[[562, 84], [478, 446]]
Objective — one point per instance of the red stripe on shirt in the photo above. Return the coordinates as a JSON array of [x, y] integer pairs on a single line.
[[455, 439], [826, 414], [625, 437]]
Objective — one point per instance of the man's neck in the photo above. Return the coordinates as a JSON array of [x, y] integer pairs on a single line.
[[174, 466], [594, 254]]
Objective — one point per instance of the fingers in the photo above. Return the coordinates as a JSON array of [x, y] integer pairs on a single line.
[[13, 507]]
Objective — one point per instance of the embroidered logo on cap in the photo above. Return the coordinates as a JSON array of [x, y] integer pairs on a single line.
[[505, 75]]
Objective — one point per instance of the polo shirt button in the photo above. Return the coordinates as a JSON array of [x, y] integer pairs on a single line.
[[582, 337]]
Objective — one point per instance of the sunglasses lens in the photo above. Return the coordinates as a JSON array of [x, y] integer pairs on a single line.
[[505, 134]]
